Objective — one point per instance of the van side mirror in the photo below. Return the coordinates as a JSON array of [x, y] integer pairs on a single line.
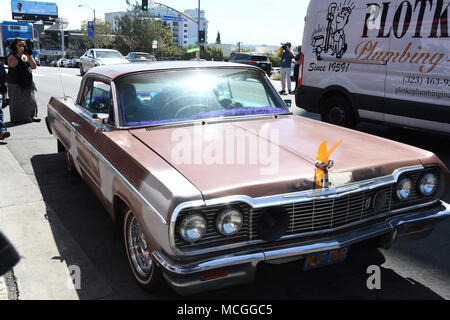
[[288, 102]]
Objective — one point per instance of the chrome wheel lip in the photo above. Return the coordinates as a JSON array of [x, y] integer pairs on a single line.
[[138, 250]]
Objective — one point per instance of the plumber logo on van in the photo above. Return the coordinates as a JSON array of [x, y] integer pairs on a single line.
[[332, 37]]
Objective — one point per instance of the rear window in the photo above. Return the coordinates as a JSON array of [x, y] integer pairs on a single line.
[[259, 58]]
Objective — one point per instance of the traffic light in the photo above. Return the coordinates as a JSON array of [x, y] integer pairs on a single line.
[[145, 5], [201, 36]]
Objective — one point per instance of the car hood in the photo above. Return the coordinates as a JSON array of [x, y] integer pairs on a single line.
[[279, 155]]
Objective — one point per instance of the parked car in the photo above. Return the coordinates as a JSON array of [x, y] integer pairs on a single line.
[[140, 57], [362, 63], [67, 63], [258, 60], [164, 147], [60, 62], [75, 63], [53, 63], [100, 57]]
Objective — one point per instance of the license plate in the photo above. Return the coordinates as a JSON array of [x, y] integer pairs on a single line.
[[263, 64], [324, 258]]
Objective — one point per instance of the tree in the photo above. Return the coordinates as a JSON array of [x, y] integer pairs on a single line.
[[137, 29], [102, 34], [212, 53], [276, 60], [218, 38]]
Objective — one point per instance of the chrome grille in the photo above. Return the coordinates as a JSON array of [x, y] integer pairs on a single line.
[[323, 214]]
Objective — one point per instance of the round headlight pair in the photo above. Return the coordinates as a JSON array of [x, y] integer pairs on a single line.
[[193, 227], [427, 186]]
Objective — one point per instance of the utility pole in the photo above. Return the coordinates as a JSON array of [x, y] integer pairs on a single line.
[[197, 55]]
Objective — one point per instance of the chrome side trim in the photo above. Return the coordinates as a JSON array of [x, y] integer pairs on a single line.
[[115, 171], [339, 241], [284, 199]]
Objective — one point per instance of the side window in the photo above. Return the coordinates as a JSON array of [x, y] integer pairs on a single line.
[[86, 97], [101, 97]]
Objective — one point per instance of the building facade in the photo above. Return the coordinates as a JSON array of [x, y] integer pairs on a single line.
[[184, 33]]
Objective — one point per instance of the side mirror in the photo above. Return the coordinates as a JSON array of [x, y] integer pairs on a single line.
[[288, 102], [97, 120]]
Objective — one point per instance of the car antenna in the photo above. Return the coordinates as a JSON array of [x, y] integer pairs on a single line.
[[62, 85]]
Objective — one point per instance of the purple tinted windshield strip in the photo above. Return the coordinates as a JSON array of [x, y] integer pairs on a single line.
[[212, 114]]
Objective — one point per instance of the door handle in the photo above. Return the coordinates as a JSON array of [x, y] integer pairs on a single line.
[[75, 124]]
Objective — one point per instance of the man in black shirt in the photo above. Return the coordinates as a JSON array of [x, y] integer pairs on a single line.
[[297, 59], [3, 91]]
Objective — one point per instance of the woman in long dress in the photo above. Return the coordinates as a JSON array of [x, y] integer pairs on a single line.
[[22, 101]]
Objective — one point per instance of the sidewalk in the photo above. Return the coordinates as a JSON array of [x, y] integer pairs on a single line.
[[40, 238]]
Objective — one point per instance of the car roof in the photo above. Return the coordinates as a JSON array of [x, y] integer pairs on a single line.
[[100, 49], [115, 71]]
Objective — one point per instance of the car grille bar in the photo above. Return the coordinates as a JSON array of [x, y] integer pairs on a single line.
[[323, 214]]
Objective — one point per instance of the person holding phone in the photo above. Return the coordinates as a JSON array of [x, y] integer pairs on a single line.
[[22, 101]]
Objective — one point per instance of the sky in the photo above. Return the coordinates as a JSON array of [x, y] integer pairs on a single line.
[[261, 22]]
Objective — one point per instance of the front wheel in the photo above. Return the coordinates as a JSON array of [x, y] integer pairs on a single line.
[[144, 268], [81, 70], [336, 110]]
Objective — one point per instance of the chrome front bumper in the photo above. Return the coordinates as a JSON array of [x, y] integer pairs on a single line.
[[185, 278]]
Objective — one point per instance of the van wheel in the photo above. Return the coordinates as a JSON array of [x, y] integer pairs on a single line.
[[144, 268], [336, 110]]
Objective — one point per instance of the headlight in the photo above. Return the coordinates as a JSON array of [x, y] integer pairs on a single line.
[[229, 221], [404, 188], [193, 227], [428, 184]]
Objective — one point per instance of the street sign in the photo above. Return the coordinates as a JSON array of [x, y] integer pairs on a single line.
[[154, 44], [91, 33], [170, 18], [44, 52], [91, 24], [193, 50]]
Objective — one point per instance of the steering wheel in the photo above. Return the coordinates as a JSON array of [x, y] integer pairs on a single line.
[[199, 105], [166, 113], [99, 107]]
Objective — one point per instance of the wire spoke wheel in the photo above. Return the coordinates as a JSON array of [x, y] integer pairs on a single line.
[[145, 270], [137, 249]]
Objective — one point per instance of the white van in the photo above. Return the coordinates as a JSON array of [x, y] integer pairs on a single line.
[[377, 60]]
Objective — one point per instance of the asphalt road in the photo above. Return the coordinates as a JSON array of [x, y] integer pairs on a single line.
[[415, 270]]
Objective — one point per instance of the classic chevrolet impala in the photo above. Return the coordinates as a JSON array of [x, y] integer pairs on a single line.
[[206, 174]]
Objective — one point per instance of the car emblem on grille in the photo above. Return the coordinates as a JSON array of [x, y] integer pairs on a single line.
[[323, 164], [368, 203]]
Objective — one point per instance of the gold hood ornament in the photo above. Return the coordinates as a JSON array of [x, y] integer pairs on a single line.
[[323, 164]]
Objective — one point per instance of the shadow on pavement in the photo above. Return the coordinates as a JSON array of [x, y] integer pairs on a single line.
[[88, 223]]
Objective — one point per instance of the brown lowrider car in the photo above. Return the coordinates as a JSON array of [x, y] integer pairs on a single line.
[[206, 173]]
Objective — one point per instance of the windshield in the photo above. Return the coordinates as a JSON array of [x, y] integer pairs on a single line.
[[109, 54], [155, 98]]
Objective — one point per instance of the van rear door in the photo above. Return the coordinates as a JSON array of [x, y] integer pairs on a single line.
[[418, 80], [341, 53]]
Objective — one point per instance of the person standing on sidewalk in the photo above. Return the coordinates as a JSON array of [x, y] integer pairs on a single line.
[[22, 104], [4, 92], [298, 61], [285, 70]]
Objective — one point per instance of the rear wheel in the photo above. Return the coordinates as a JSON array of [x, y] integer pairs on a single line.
[[144, 268], [336, 110], [81, 70]]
